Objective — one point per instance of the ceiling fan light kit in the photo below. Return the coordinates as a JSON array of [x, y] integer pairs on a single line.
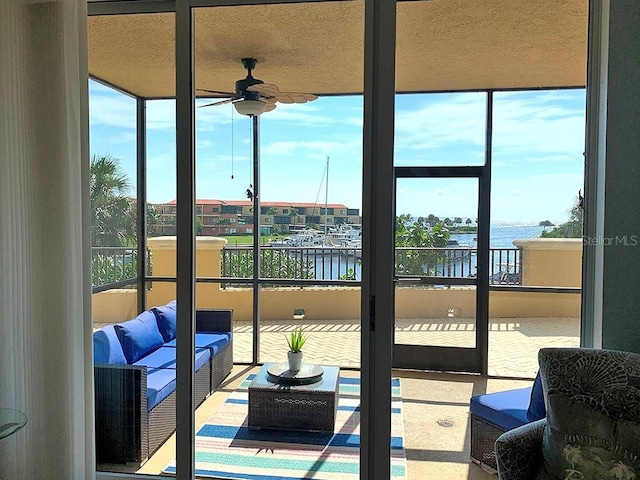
[[250, 107]]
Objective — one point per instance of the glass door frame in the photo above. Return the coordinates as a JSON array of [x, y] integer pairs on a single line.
[[376, 340], [449, 358]]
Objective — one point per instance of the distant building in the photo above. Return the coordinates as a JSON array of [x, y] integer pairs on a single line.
[[228, 217]]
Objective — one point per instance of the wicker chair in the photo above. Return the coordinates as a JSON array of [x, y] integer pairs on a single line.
[[592, 428], [492, 414]]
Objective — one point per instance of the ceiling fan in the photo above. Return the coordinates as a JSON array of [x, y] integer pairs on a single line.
[[253, 97]]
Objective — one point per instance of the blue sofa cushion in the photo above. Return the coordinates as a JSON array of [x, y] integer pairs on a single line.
[[213, 341], [165, 357], [166, 318], [160, 384], [536, 410], [107, 347], [507, 410], [139, 336]]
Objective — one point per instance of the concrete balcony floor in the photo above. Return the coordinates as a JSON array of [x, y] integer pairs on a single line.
[[513, 342], [430, 399]]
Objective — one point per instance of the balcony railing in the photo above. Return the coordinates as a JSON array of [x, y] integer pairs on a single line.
[[114, 267], [294, 263], [343, 263]]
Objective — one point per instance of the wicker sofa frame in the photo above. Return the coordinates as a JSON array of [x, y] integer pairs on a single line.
[[130, 433]]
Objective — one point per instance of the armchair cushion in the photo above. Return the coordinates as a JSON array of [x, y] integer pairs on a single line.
[[537, 409], [506, 409], [139, 336], [107, 347], [167, 324], [593, 414]]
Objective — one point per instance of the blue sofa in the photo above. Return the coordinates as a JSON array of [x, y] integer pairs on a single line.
[[135, 378], [492, 414]]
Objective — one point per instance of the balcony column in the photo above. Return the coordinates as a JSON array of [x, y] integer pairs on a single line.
[[551, 262], [208, 264]]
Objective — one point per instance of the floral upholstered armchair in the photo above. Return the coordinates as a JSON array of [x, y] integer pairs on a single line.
[[592, 428]]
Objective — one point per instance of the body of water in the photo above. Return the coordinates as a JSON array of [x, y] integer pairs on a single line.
[[501, 236]]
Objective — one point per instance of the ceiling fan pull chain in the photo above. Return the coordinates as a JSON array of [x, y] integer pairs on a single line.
[[249, 191]]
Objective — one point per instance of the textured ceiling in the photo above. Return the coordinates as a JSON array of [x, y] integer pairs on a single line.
[[442, 45]]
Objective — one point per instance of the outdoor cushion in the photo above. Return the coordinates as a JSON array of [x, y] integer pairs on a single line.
[[160, 384], [165, 357], [139, 336], [593, 419], [506, 409], [213, 341], [107, 347], [536, 410], [166, 317]]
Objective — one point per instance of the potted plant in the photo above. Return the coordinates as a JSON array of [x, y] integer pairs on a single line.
[[296, 341]]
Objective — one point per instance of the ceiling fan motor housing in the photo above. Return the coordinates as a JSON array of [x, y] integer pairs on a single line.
[[243, 84]]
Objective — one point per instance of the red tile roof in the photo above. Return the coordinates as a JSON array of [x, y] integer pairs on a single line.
[[249, 203]]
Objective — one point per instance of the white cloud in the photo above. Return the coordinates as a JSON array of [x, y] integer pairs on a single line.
[[540, 126], [312, 148], [114, 110], [222, 162], [438, 122], [301, 115]]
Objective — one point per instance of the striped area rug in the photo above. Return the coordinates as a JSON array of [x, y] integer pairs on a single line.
[[227, 449]]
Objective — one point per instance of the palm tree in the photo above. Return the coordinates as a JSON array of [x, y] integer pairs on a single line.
[[153, 221], [468, 222], [113, 213], [272, 211], [293, 213]]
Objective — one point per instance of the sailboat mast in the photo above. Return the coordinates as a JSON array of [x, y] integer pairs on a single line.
[[326, 199]]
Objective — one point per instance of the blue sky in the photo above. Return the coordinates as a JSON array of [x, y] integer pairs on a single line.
[[538, 143]]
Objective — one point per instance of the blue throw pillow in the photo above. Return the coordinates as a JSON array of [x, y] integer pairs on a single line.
[[536, 410], [107, 347], [139, 336], [166, 317]]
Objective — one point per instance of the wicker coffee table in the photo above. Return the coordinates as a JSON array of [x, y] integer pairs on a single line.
[[287, 406]]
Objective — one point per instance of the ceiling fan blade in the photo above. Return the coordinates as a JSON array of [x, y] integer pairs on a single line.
[[292, 97], [217, 92], [228, 100], [270, 106], [266, 89]]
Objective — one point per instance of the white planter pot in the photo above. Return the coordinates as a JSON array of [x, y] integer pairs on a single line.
[[295, 359]]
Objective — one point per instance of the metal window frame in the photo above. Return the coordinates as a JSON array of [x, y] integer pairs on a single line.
[[379, 92]]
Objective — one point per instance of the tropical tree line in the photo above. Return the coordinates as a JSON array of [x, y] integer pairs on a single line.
[[411, 236], [572, 228]]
